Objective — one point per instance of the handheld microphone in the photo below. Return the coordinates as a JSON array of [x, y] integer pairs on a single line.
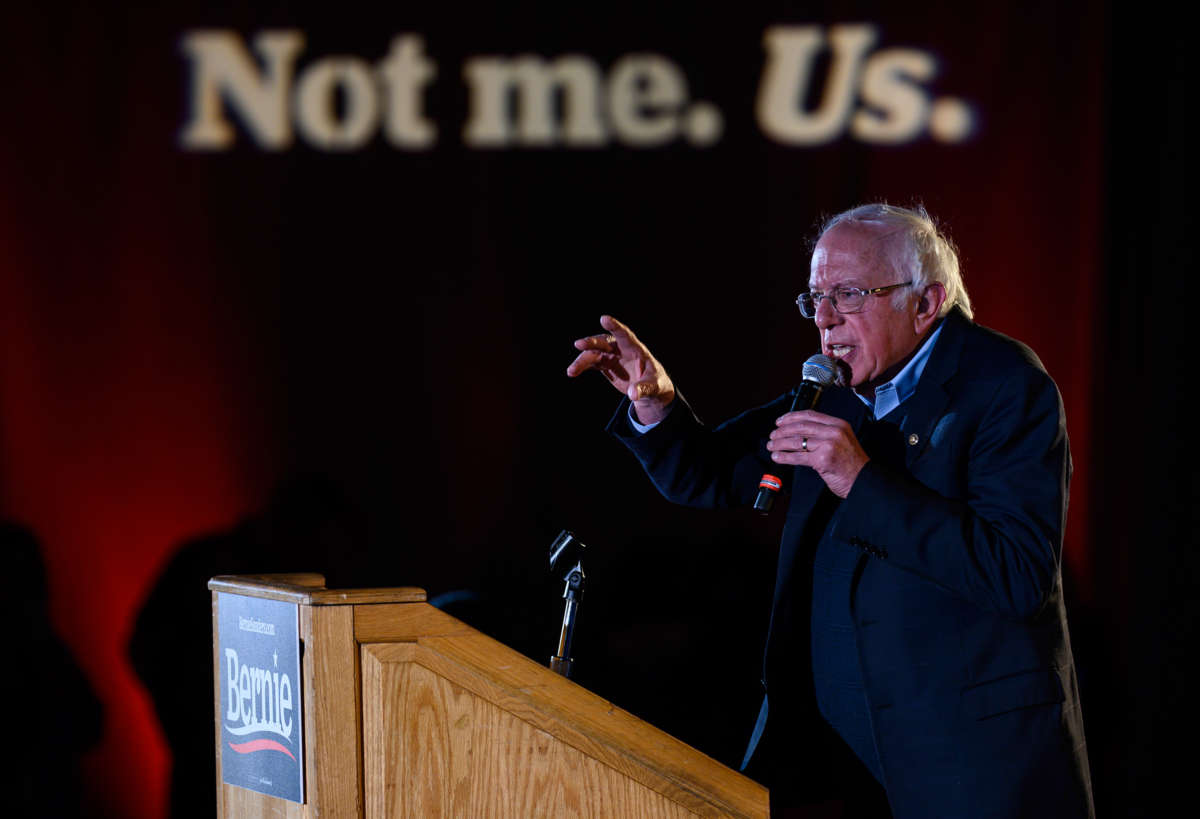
[[820, 371]]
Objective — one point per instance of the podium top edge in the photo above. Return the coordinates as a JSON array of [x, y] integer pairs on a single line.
[[309, 590]]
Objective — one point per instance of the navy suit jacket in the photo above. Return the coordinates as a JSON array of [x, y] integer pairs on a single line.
[[957, 602]]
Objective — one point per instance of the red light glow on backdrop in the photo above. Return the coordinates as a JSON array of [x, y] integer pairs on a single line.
[[121, 439]]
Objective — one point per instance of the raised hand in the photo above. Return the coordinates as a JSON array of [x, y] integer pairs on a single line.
[[629, 367]]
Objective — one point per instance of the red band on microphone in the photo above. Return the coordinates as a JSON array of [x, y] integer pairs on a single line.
[[770, 482]]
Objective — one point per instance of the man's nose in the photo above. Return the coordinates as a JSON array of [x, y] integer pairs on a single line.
[[826, 316]]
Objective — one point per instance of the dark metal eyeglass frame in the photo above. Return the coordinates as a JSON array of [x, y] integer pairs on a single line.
[[810, 301]]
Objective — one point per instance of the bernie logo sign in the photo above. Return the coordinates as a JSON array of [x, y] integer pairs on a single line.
[[261, 713]]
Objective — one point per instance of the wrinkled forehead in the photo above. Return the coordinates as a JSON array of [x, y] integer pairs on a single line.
[[858, 254]]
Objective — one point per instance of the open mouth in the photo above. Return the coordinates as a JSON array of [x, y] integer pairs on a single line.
[[839, 350]]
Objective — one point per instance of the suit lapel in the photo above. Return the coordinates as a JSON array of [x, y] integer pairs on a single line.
[[925, 407]]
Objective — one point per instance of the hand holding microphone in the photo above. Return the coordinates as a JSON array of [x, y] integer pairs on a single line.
[[819, 372], [805, 437]]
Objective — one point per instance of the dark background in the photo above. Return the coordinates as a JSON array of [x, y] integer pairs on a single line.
[[353, 363]]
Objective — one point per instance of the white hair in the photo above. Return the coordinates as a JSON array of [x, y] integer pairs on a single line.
[[925, 254]]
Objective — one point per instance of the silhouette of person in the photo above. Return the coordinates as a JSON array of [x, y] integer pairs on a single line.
[[58, 717]]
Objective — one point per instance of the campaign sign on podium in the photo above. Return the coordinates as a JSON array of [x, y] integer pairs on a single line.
[[258, 648]]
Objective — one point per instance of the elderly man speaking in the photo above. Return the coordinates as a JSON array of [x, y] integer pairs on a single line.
[[918, 594]]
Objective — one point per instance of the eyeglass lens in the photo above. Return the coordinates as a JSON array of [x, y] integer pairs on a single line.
[[844, 300]]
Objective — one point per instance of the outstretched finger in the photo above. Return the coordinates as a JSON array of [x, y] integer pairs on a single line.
[[618, 329], [587, 360], [605, 363], [603, 341]]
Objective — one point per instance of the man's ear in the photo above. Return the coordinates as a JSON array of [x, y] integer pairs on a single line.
[[929, 306]]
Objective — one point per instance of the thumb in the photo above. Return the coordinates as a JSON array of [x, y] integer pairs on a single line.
[[642, 389]]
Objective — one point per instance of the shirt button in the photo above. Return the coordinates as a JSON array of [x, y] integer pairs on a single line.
[[914, 439]]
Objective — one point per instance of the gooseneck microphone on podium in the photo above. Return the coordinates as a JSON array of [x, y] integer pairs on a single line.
[[565, 549], [820, 371]]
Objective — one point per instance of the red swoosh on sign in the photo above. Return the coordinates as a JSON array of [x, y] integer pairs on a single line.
[[259, 745]]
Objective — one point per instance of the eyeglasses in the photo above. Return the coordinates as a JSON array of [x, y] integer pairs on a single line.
[[843, 299]]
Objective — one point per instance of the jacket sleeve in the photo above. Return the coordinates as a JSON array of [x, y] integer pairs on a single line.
[[703, 467], [999, 543]]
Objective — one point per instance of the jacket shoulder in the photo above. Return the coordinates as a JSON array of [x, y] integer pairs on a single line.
[[988, 353]]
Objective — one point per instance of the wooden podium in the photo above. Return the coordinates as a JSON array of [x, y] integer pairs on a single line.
[[409, 712]]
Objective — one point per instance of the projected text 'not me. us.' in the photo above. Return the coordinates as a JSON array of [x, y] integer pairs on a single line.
[[642, 100]]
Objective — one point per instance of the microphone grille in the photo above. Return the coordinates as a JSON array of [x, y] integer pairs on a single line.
[[822, 369]]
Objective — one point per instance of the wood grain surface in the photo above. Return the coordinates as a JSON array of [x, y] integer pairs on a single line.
[[409, 712], [436, 748]]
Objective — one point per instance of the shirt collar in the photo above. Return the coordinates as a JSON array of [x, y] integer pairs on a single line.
[[892, 394]]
